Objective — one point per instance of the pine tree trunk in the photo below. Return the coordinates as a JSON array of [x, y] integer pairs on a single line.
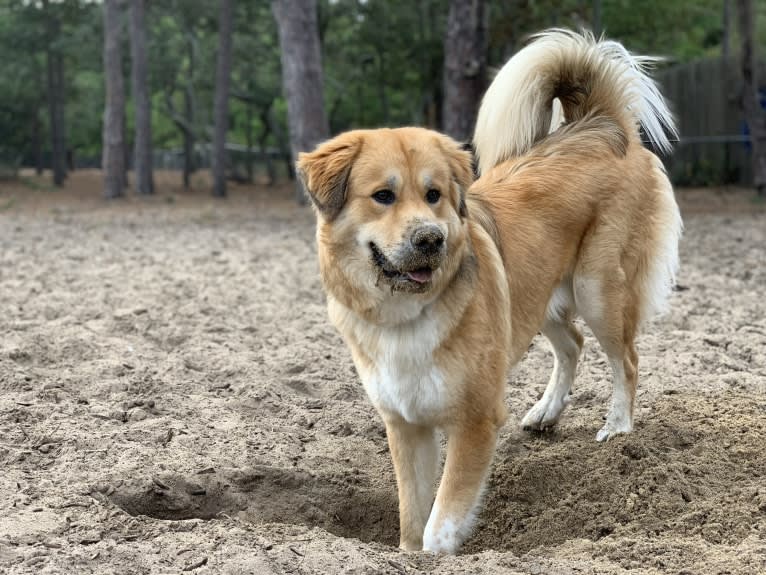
[[221, 106], [266, 123], [465, 66], [726, 35], [754, 114], [113, 150], [37, 144], [125, 150], [142, 154], [55, 65], [190, 164], [249, 141], [284, 150], [301, 76]]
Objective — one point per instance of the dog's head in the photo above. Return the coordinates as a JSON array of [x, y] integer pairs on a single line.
[[390, 207]]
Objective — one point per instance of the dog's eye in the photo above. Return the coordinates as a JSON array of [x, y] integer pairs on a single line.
[[433, 195], [384, 197]]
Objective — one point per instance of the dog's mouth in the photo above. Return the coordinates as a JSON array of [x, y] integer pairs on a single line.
[[417, 277]]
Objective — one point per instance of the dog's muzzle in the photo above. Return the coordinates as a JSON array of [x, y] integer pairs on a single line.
[[412, 267]]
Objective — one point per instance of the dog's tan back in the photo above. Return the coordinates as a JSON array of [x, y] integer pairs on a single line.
[[587, 215]]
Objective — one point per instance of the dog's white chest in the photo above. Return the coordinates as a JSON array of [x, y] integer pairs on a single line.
[[403, 378], [411, 387]]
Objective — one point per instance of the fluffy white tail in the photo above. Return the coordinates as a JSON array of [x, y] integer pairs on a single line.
[[587, 76]]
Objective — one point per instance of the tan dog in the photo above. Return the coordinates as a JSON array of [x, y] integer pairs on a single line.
[[438, 289]]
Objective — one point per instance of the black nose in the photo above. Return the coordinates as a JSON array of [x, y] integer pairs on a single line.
[[428, 239]]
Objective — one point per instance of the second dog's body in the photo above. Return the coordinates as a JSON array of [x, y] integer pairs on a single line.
[[438, 289]]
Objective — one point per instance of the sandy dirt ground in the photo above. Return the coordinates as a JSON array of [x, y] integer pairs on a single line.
[[173, 399]]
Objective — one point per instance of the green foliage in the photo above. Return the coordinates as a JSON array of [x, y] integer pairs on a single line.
[[181, 52], [256, 80], [23, 73], [678, 30], [22, 77], [382, 60]]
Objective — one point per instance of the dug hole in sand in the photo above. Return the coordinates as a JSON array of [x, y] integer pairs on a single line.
[[174, 399]]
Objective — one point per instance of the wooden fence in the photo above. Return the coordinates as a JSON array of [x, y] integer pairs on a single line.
[[274, 162], [271, 160], [705, 98]]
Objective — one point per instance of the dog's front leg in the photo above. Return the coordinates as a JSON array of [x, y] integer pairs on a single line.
[[415, 451], [469, 452]]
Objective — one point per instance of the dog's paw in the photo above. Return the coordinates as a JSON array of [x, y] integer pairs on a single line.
[[612, 428], [410, 545], [544, 414], [445, 540]]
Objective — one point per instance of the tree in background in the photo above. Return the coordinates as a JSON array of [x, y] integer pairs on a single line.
[[184, 35], [726, 30], [56, 95], [256, 90], [185, 121], [81, 22], [113, 150], [23, 91], [221, 106], [465, 66], [383, 64], [301, 75], [754, 114], [142, 154]]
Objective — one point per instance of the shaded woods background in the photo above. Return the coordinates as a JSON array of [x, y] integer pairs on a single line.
[[241, 86]]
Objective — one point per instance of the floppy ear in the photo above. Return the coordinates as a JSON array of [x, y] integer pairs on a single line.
[[461, 165], [325, 172]]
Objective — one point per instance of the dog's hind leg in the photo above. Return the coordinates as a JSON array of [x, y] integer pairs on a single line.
[[610, 309], [566, 341], [469, 452], [415, 452]]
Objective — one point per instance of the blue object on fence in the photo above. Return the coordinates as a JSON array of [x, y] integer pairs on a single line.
[[745, 127]]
